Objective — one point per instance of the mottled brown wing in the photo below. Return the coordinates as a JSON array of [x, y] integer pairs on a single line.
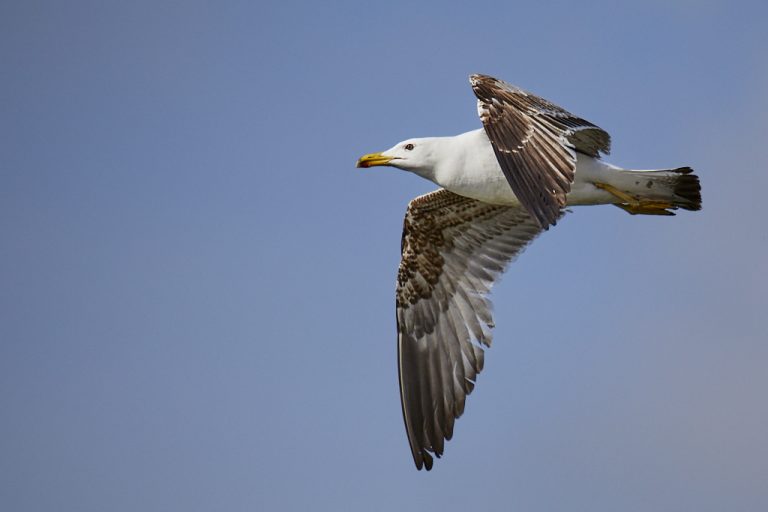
[[453, 249], [535, 142]]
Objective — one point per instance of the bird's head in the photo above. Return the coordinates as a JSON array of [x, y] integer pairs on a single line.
[[415, 155]]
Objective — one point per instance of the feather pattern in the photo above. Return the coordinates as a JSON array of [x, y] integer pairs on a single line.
[[453, 249], [535, 143]]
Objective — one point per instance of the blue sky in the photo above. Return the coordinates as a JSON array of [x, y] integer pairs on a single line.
[[198, 286]]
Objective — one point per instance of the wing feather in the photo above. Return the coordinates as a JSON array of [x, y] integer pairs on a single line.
[[535, 142], [453, 249]]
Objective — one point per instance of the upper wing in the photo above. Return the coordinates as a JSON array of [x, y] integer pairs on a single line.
[[535, 143], [453, 248]]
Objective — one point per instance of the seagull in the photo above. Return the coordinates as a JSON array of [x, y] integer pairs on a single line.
[[500, 187]]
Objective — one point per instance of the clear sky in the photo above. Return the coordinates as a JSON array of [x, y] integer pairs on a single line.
[[197, 286]]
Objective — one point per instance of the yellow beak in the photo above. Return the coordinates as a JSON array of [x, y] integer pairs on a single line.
[[373, 159]]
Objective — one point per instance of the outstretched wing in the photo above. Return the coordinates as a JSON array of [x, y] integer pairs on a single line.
[[535, 142], [453, 249]]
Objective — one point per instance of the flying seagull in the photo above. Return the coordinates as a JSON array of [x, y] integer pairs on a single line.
[[501, 186]]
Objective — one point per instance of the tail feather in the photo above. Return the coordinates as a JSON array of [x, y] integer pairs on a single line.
[[660, 192], [688, 188]]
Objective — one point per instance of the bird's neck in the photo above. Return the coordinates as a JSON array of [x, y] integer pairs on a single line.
[[451, 157]]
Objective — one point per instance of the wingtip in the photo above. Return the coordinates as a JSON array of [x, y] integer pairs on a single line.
[[476, 78], [480, 76], [423, 460], [546, 219], [428, 461]]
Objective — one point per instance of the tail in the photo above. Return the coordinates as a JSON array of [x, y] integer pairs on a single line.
[[660, 192], [687, 188]]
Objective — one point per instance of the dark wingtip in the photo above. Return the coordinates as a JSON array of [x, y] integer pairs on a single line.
[[546, 219], [423, 460], [428, 461]]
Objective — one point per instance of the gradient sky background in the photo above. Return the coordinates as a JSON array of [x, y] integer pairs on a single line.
[[198, 286]]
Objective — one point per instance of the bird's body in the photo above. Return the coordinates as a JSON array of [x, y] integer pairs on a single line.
[[467, 166], [501, 186]]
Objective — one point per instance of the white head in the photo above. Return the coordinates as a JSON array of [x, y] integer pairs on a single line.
[[419, 156]]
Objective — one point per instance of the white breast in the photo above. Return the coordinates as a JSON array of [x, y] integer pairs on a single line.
[[473, 171]]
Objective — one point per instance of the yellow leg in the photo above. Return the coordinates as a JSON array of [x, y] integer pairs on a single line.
[[636, 205], [618, 193], [646, 210]]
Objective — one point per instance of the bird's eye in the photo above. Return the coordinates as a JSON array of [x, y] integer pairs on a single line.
[[408, 147]]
